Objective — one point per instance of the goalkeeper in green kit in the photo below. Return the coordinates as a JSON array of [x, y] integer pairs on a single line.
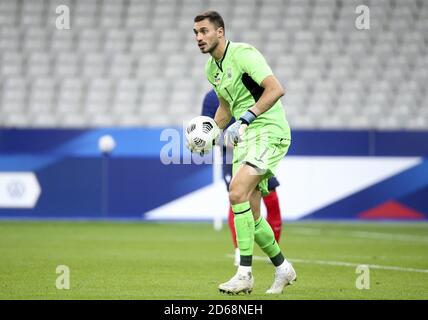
[[248, 91]]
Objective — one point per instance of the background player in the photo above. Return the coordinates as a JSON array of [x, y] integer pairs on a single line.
[[273, 217], [248, 91]]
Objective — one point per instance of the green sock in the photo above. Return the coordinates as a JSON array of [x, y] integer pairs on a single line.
[[244, 226], [266, 240]]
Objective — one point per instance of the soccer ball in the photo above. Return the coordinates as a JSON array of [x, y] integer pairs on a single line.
[[201, 134]]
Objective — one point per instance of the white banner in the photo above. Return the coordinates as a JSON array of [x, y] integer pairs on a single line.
[[306, 185], [19, 190]]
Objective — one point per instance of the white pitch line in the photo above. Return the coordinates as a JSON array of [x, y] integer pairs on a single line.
[[388, 236], [349, 264], [360, 234], [346, 264]]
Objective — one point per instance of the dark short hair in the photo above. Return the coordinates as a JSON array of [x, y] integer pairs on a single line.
[[213, 16]]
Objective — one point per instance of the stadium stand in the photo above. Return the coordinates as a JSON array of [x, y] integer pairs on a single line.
[[135, 63]]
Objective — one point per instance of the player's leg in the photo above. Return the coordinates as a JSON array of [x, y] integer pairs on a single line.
[[242, 185], [231, 223], [264, 235], [255, 202], [263, 232], [267, 153], [227, 177], [271, 202], [241, 189], [284, 271], [273, 216], [265, 239]]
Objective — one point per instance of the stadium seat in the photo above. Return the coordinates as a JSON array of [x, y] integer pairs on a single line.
[[324, 62]]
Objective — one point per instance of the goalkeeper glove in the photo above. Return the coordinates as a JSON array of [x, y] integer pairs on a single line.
[[234, 133]]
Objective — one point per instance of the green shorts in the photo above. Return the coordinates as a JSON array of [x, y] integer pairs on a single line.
[[261, 152]]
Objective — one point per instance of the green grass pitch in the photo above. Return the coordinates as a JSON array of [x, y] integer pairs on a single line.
[[114, 260]]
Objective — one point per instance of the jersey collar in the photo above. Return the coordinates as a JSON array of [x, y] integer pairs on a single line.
[[219, 64]]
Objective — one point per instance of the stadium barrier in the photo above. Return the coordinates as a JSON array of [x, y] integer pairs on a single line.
[[61, 173]]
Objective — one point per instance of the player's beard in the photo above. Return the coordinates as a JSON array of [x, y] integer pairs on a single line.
[[211, 49]]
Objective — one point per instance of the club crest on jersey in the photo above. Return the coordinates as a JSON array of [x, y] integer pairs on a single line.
[[229, 72], [217, 79]]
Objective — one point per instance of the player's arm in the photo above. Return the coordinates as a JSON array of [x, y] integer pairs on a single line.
[[272, 92], [210, 104], [255, 66], [223, 115]]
